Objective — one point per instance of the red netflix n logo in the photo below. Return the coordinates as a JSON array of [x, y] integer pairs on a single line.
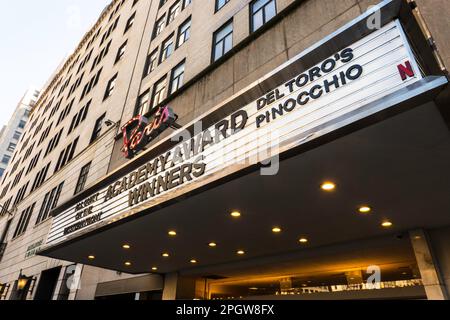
[[406, 70]]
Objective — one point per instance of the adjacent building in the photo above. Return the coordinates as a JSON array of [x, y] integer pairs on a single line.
[[12, 132], [280, 149]]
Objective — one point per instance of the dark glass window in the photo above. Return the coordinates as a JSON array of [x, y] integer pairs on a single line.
[[98, 128], [223, 41], [261, 12], [177, 77], [82, 178]]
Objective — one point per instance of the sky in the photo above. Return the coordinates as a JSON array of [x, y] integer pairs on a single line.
[[36, 37]]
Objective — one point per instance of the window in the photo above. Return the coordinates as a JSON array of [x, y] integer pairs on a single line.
[[50, 202], [16, 135], [174, 11], [261, 11], [33, 162], [45, 134], [91, 84], [66, 155], [2, 171], [79, 117], [159, 92], [220, 4], [17, 178], [40, 177], [5, 206], [110, 87], [82, 178], [121, 51], [159, 27], [12, 147], [64, 113], [6, 159], [143, 103], [223, 41], [167, 49], [186, 3], [53, 143], [152, 63], [22, 124], [162, 2], [23, 221], [98, 128], [21, 194], [177, 78], [184, 32], [130, 22]]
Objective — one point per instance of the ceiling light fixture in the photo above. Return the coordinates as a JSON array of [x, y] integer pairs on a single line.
[[241, 252], [303, 240], [235, 214], [165, 255], [365, 209], [212, 245], [172, 233], [328, 186], [387, 224], [276, 230], [91, 257], [126, 246]]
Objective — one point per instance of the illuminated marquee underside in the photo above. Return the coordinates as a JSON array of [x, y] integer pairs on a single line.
[[300, 110]]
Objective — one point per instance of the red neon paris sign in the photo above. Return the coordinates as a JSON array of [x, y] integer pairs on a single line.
[[138, 132]]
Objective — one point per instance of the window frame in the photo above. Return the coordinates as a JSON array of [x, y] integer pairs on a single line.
[[158, 93], [111, 86], [163, 48], [98, 127], [251, 14], [176, 4], [82, 178], [181, 75], [214, 40], [188, 31], [216, 5]]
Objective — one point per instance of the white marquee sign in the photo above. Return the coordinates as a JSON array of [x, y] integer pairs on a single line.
[[368, 70]]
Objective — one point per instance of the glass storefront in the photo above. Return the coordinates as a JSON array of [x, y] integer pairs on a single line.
[[377, 281]]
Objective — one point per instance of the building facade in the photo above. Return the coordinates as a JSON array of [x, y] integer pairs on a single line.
[[12, 132], [234, 150]]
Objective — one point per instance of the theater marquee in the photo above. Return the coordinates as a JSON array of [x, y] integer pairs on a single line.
[[300, 110]]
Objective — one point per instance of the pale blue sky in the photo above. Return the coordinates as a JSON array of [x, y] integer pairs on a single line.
[[36, 36]]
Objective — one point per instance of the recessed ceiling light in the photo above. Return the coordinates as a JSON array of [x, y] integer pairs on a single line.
[[155, 269], [387, 224], [328, 186], [126, 246], [235, 214], [193, 261], [365, 209], [165, 255], [212, 244], [91, 257], [276, 230], [128, 263], [172, 233], [303, 240], [241, 252]]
